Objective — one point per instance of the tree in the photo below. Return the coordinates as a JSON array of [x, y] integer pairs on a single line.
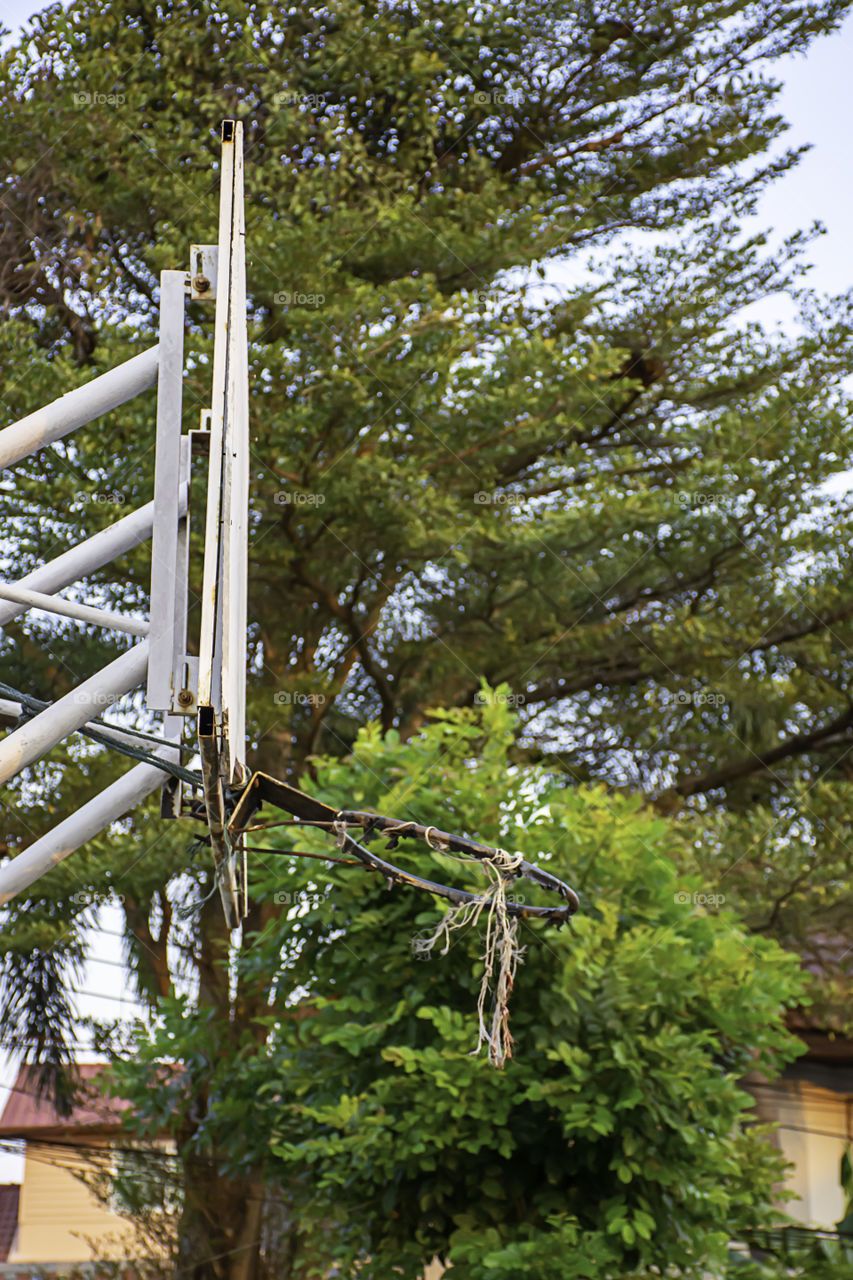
[[482, 470], [496, 484], [615, 1142]]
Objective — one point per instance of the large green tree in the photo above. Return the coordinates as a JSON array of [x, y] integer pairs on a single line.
[[603, 491], [613, 1143]]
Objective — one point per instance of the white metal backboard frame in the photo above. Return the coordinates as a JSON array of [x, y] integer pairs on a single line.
[[161, 656]]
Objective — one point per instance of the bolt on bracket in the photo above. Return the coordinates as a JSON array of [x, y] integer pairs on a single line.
[[204, 264]]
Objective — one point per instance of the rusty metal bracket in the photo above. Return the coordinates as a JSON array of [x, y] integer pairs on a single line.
[[262, 788], [214, 803], [204, 266]]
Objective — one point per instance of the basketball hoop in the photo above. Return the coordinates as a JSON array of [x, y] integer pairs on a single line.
[[502, 952]]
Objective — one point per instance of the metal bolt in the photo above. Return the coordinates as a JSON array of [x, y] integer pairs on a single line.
[[186, 698], [201, 284]]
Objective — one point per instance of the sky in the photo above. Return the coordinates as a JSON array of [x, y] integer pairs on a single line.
[[818, 102]]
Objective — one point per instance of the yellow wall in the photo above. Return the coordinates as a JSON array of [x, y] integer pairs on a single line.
[[58, 1216], [814, 1127], [57, 1213]]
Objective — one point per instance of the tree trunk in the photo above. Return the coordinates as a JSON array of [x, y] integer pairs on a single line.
[[219, 1234]]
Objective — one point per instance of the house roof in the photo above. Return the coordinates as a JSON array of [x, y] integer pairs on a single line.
[[9, 1193], [25, 1115], [823, 1046], [824, 1026]]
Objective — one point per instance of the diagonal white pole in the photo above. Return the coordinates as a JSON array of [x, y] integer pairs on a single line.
[[121, 737], [84, 703], [71, 609], [88, 556], [64, 839], [78, 407]]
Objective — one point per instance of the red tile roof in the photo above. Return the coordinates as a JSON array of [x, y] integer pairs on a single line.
[[25, 1115]]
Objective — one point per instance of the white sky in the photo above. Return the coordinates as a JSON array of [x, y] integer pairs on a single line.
[[818, 102]]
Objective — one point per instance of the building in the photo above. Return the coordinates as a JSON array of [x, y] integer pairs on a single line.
[[53, 1221], [58, 1220], [812, 1106]]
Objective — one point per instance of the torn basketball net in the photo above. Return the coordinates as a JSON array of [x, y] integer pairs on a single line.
[[502, 952]]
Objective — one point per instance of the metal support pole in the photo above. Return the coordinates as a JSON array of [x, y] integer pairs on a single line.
[[70, 609], [167, 481], [78, 407], [210, 656], [235, 532], [88, 556], [222, 661], [85, 702], [181, 682], [100, 812], [173, 725]]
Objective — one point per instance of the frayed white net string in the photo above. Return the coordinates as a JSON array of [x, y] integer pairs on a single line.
[[339, 831], [501, 955], [502, 952]]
